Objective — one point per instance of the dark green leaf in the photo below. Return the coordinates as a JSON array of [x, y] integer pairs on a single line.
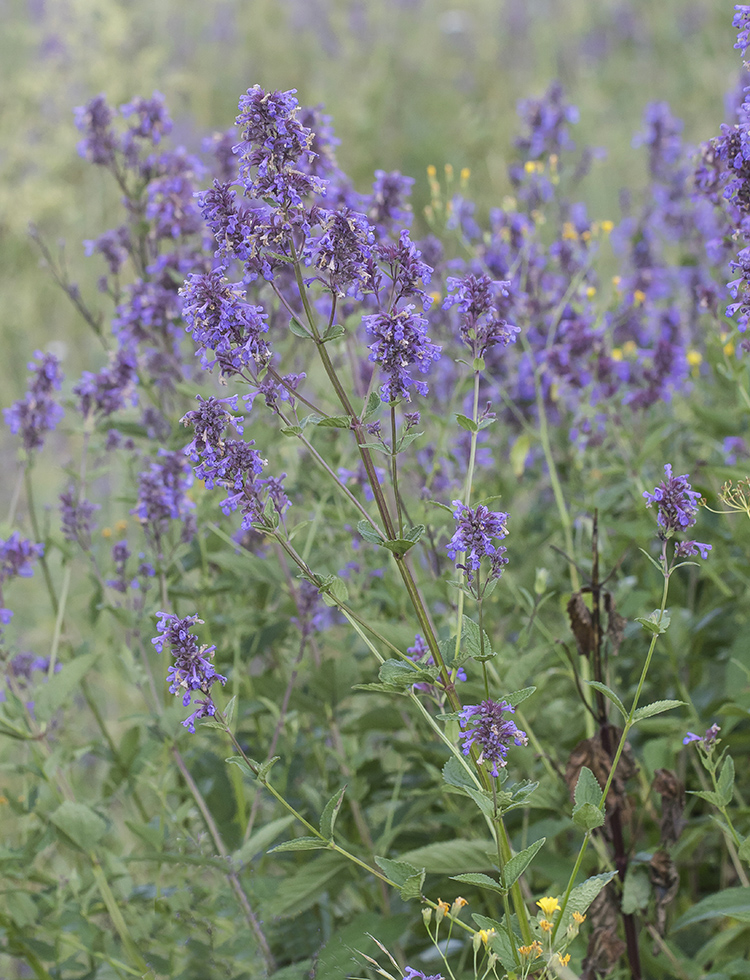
[[636, 891], [520, 862], [329, 814], [733, 902], [587, 788], [725, 782], [335, 330], [582, 896], [300, 844], [370, 534], [466, 423], [518, 697], [298, 329], [610, 694], [655, 708], [481, 881]]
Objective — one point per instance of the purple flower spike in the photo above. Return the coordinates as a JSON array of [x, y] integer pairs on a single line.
[[484, 724], [474, 531], [192, 669], [707, 741], [412, 974], [677, 502], [16, 555], [481, 325], [37, 413], [400, 341]]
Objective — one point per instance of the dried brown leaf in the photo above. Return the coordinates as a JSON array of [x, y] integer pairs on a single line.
[[581, 624], [672, 792], [605, 947]]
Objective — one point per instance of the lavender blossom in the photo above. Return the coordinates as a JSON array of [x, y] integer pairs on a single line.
[[120, 554], [162, 496], [420, 654], [707, 741], [413, 974], [16, 556], [474, 530], [274, 149], [220, 321], [110, 389], [343, 253], [400, 341], [37, 412], [76, 514], [677, 502], [100, 140], [481, 325], [484, 724], [192, 669]]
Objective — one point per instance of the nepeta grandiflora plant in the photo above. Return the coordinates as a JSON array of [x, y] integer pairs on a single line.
[[314, 415]]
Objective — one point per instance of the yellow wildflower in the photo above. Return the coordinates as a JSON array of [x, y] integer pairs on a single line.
[[458, 904], [486, 935], [431, 170], [591, 291], [694, 358], [549, 906], [564, 960], [577, 917], [607, 227], [106, 532], [545, 925], [639, 297]]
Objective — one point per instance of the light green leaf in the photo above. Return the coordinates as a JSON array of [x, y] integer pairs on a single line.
[[79, 822], [330, 812], [587, 789], [452, 856], [520, 862], [658, 622], [518, 697], [481, 881], [300, 844], [370, 534], [587, 817], [725, 782], [610, 694], [582, 896], [466, 423], [655, 708], [297, 329], [335, 422], [636, 890], [732, 902], [259, 842], [61, 685]]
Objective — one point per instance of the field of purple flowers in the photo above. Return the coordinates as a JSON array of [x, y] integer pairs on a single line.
[[390, 619]]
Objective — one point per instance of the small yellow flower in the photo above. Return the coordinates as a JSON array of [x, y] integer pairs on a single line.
[[121, 526], [442, 906], [616, 354], [535, 949], [569, 232], [639, 297], [616, 280], [607, 227], [549, 906], [465, 173], [435, 296], [106, 532], [431, 170], [486, 935], [449, 171], [577, 917], [694, 358], [729, 349], [529, 166], [630, 348], [564, 960], [591, 291], [545, 925], [586, 235], [458, 904]]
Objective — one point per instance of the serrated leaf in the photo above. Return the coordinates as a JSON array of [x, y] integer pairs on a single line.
[[466, 423], [412, 887], [725, 782], [400, 673], [657, 622], [518, 697], [237, 760], [587, 789], [406, 440], [610, 695], [520, 862], [398, 546], [300, 844], [482, 800], [471, 641], [734, 902], [655, 708], [582, 896], [335, 330], [456, 774], [415, 533], [298, 329], [520, 796], [266, 767], [708, 795], [229, 710], [79, 823], [370, 534], [330, 812], [587, 817], [636, 891], [335, 422], [373, 405], [481, 881], [291, 430], [398, 871]]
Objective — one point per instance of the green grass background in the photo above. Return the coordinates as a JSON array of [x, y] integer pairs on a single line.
[[408, 83]]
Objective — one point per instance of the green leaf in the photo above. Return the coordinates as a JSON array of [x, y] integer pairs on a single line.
[[483, 800], [587, 817], [298, 330], [587, 789], [733, 902], [481, 881], [582, 896], [305, 887], [658, 622], [291, 430], [654, 562], [471, 642], [335, 330], [520, 862], [518, 697], [79, 822], [229, 710], [408, 878], [715, 799], [415, 533], [636, 891], [725, 782], [655, 708], [400, 673], [518, 453], [300, 844], [455, 774], [477, 364], [744, 850], [466, 423], [335, 422], [330, 812], [370, 534], [258, 842], [399, 546], [610, 694], [237, 760], [452, 856], [373, 405], [61, 685], [499, 943]]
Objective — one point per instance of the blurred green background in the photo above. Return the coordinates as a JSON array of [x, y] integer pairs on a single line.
[[407, 82]]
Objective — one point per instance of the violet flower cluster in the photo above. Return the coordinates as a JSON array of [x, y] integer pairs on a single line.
[[420, 654], [485, 726], [706, 742], [475, 529], [37, 413], [677, 507], [192, 670], [16, 557]]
